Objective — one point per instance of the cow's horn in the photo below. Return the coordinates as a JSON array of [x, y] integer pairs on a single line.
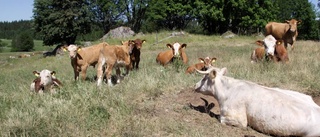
[[207, 71]]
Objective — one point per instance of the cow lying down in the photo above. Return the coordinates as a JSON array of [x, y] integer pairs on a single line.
[[272, 111], [45, 81]]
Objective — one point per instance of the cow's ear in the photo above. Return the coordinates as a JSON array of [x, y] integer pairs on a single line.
[[53, 73], [79, 48], [65, 48], [143, 41], [223, 71], [287, 21], [122, 43], [213, 60], [201, 60], [279, 42], [213, 74], [259, 42], [36, 73], [299, 21], [169, 45], [183, 45]]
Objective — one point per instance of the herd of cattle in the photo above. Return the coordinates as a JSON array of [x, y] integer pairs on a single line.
[[272, 111]]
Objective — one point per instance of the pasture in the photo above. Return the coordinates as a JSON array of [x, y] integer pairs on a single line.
[[153, 101]]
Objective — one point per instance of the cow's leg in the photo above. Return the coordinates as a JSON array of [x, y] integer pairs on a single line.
[[118, 72], [137, 63], [108, 74], [100, 68], [234, 117], [133, 64], [76, 74], [84, 72]]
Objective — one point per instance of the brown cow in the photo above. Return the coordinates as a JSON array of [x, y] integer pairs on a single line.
[[82, 58], [280, 53], [113, 57], [287, 31], [135, 54], [176, 52], [204, 64]]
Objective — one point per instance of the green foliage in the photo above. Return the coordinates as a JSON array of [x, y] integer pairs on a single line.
[[61, 21], [2, 44], [22, 42]]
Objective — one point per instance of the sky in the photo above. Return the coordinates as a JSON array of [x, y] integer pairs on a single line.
[[15, 10]]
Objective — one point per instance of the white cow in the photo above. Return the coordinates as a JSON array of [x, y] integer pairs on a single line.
[[272, 111], [45, 81]]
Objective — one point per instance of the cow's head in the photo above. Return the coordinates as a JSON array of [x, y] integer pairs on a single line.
[[72, 49], [129, 45], [45, 76], [207, 61], [176, 48], [269, 43], [207, 83], [293, 24], [138, 43]]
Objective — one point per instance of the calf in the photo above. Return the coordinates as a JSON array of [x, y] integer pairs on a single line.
[[272, 111], [266, 49], [135, 54], [82, 58], [204, 64], [113, 57], [176, 52], [281, 53], [45, 81]]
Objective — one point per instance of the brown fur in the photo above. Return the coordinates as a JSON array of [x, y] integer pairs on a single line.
[[287, 32], [86, 57], [259, 53], [110, 57], [204, 64], [135, 54], [166, 57], [281, 53]]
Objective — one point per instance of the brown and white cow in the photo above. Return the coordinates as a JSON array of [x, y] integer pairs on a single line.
[[135, 54], [82, 58], [204, 64], [176, 52], [45, 81], [266, 49], [287, 31], [272, 111], [113, 57]]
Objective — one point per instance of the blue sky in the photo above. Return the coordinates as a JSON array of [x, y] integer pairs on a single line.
[[15, 10]]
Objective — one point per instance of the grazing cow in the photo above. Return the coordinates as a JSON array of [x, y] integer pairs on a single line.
[[176, 52], [272, 111], [113, 57], [266, 49], [45, 81], [204, 64], [82, 58], [287, 31], [135, 54]]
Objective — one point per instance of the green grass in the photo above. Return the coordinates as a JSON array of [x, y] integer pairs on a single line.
[[133, 107]]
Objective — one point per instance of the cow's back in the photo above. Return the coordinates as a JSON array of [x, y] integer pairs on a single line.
[[277, 30], [90, 54], [164, 57]]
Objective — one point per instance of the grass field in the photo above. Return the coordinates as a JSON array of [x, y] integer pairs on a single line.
[[152, 101]]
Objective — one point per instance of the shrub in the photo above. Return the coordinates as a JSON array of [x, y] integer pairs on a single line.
[[22, 42]]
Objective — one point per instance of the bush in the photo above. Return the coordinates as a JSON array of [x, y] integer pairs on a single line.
[[22, 42], [2, 44]]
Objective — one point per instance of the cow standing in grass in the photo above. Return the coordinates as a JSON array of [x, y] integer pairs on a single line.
[[288, 31], [82, 58], [135, 54]]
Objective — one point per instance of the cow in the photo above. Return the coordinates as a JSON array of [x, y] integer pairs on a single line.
[[272, 111], [266, 49], [135, 54], [55, 51], [24, 56], [113, 57], [204, 64], [176, 52], [287, 31], [82, 58], [45, 81]]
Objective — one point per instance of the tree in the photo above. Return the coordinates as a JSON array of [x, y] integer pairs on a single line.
[[22, 42], [61, 21]]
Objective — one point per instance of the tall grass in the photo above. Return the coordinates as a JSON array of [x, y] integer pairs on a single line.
[[132, 107]]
